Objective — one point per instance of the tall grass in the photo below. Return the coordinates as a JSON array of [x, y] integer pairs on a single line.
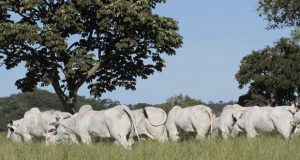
[[263, 147]]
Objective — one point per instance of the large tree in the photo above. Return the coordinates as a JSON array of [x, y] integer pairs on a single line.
[[65, 43], [272, 74], [295, 34], [280, 13]]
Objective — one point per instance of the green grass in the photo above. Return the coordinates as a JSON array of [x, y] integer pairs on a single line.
[[261, 148]]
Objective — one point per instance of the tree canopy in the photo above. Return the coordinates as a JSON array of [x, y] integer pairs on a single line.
[[105, 43], [295, 34], [280, 13], [272, 74]]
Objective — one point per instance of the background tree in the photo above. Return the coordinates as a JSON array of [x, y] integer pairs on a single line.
[[64, 43], [180, 100], [295, 34], [272, 74], [183, 101], [280, 13]]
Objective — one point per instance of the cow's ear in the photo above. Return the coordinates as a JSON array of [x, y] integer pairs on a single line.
[[297, 106], [241, 115], [67, 116], [10, 122], [55, 124], [145, 113], [52, 130], [11, 128], [234, 118], [57, 118]]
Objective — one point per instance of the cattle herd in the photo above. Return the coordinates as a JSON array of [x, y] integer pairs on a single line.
[[125, 125]]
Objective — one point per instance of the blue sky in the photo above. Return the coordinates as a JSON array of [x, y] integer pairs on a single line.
[[217, 34]]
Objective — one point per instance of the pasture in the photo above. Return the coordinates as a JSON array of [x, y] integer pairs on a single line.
[[263, 147]]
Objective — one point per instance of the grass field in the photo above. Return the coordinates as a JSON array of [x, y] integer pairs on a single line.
[[260, 148]]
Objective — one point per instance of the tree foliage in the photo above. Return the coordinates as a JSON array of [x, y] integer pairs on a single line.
[[295, 34], [272, 74], [105, 43], [280, 13], [180, 100]]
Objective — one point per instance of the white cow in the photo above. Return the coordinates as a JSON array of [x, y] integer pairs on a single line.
[[278, 119], [36, 123], [116, 122], [224, 123], [11, 127], [296, 123], [198, 119], [150, 121]]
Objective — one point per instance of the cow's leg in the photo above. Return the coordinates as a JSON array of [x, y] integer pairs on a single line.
[[26, 137], [224, 132], [201, 129], [173, 133], [130, 138], [251, 132], [123, 141], [225, 135], [85, 138], [200, 133], [74, 139], [284, 129], [164, 137], [120, 133], [46, 136]]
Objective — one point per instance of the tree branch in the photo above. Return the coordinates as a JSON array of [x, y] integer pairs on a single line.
[[61, 95], [90, 73], [93, 70], [74, 44]]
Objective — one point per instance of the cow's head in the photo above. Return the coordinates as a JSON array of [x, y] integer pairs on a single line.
[[236, 128], [294, 108], [297, 106], [236, 117], [12, 126], [60, 130]]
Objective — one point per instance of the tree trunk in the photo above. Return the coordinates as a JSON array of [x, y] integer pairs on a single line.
[[273, 99], [70, 106], [68, 102], [71, 102]]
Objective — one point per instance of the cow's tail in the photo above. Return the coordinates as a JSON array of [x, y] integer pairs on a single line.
[[211, 117], [131, 117]]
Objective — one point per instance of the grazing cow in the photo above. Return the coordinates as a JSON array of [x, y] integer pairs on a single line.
[[116, 122], [278, 119], [11, 127], [296, 123], [150, 121], [35, 124], [224, 123], [197, 119]]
